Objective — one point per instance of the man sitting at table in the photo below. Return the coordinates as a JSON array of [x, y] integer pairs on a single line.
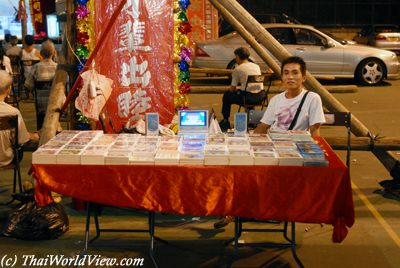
[[283, 108], [6, 152], [254, 93]]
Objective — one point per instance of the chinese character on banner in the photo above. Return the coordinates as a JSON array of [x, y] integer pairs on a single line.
[[133, 105], [138, 56]]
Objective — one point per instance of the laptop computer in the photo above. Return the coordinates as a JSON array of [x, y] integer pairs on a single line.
[[193, 121]]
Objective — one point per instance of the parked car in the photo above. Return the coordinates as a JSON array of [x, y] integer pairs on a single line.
[[384, 36], [323, 54], [262, 18]]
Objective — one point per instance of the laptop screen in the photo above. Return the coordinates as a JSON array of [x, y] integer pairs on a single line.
[[193, 120]]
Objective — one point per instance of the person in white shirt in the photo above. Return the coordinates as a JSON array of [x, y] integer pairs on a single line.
[[29, 56], [6, 42], [5, 63], [283, 107], [6, 152], [254, 93], [14, 50]]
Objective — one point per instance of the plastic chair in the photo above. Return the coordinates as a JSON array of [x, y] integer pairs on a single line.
[[341, 119], [257, 79], [26, 63], [10, 123], [41, 92], [17, 73]]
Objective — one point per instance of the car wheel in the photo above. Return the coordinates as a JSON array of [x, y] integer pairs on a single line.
[[232, 64], [370, 72]]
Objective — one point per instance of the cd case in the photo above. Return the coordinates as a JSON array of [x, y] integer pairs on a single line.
[[152, 120], [240, 124]]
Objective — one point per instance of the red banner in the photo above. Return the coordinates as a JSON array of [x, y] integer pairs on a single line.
[[21, 10], [138, 56], [204, 19], [39, 10]]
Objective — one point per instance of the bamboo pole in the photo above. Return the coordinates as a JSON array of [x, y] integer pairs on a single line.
[[246, 34], [56, 99], [24, 30], [226, 72], [278, 51], [70, 56], [222, 72], [365, 143], [58, 89], [220, 89]]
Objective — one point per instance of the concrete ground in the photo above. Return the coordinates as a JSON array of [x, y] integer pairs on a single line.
[[374, 240]]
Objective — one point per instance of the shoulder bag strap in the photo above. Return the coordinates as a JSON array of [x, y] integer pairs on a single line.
[[298, 111]]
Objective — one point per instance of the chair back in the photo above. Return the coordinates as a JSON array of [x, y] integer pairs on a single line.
[[42, 93], [15, 64], [341, 119], [255, 79], [10, 123], [255, 116], [43, 85], [29, 62]]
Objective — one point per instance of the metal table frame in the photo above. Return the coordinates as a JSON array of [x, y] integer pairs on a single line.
[[291, 241], [93, 207]]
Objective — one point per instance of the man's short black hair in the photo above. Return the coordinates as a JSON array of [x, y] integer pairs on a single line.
[[7, 37], [29, 40], [295, 59], [243, 53]]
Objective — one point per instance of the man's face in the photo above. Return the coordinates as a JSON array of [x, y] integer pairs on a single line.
[[292, 78]]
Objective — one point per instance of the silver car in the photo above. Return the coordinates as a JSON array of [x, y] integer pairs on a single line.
[[323, 54], [384, 36]]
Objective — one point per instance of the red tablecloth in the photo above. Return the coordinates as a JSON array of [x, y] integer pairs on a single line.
[[300, 194]]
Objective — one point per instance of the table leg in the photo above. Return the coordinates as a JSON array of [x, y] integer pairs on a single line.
[[238, 233], [285, 228], [87, 227], [293, 246], [151, 232], [96, 223]]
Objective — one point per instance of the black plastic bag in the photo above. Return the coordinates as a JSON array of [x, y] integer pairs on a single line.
[[29, 221], [391, 188]]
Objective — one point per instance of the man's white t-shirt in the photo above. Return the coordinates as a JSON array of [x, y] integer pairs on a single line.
[[281, 111], [6, 152], [241, 73]]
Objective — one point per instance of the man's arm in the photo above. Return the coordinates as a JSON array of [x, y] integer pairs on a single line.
[[262, 128], [37, 54], [235, 80], [314, 130], [34, 136]]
